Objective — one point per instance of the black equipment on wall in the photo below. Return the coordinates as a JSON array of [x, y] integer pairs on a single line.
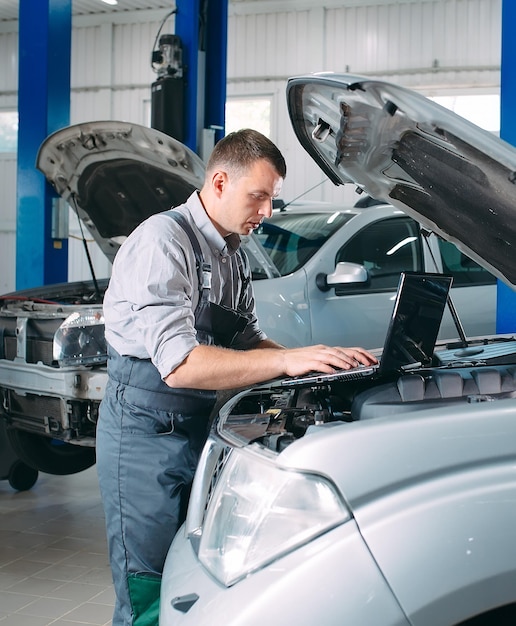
[[168, 91]]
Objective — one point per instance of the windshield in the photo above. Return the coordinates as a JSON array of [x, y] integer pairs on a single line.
[[291, 238]]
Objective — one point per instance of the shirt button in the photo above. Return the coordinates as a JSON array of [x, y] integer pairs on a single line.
[[223, 259]]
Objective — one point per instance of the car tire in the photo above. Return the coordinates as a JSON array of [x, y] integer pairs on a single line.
[[50, 455], [22, 477]]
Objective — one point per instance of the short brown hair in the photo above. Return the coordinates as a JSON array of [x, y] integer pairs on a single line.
[[238, 151]]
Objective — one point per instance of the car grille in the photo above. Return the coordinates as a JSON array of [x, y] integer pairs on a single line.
[[34, 413], [48, 415]]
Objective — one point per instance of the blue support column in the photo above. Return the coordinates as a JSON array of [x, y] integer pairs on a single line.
[[506, 298], [202, 27], [43, 107], [216, 67], [187, 24]]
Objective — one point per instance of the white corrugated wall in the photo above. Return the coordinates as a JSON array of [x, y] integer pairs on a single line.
[[435, 46], [7, 222]]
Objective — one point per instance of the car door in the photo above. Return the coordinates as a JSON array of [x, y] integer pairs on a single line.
[[359, 314]]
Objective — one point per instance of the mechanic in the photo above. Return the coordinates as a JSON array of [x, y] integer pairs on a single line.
[[180, 323]]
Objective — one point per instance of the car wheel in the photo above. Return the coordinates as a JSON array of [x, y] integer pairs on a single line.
[[22, 477], [50, 455]]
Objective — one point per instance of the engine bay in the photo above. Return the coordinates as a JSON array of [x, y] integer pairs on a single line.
[[274, 417]]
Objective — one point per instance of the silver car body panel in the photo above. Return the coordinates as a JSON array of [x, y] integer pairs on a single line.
[[433, 489], [297, 589], [432, 498], [406, 150]]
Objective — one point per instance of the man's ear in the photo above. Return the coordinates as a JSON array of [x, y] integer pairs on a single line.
[[219, 181]]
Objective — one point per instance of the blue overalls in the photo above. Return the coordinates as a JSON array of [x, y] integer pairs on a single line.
[[149, 438]]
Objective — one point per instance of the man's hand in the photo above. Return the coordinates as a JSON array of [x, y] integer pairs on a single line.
[[325, 359]]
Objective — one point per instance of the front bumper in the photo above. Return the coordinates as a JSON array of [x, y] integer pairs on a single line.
[[332, 580]]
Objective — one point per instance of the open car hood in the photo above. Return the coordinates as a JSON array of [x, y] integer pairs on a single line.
[[116, 174], [453, 177]]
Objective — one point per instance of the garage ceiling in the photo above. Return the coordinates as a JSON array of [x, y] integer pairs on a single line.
[[9, 8]]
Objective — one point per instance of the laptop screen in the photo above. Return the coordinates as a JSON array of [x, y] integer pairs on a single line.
[[415, 321]]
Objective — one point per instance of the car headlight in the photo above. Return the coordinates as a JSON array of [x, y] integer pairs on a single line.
[[80, 339], [259, 512]]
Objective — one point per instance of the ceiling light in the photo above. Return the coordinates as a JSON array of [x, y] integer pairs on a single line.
[[113, 2]]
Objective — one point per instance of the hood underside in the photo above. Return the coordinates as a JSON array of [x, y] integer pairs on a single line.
[[116, 174], [400, 147]]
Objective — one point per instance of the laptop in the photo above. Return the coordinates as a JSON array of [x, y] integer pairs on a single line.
[[411, 336]]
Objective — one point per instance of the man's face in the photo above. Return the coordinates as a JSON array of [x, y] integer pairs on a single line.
[[247, 200]]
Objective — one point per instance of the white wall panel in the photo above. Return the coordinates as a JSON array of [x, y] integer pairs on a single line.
[[132, 105], [404, 37], [381, 39], [88, 105], [88, 61], [7, 191], [132, 48], [112, 55], [128, 105], [7, 261], [9, 62], [275, 44], [7, 222]]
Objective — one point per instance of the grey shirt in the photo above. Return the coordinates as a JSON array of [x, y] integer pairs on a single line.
[[153, 291]]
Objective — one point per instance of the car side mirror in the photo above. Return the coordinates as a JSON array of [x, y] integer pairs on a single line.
[[345, 275]]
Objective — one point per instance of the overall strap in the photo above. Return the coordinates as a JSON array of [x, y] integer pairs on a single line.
[[244, 271], [203, 269]]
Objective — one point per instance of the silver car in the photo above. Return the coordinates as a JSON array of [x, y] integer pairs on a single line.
[[318, 297], [380, 500]]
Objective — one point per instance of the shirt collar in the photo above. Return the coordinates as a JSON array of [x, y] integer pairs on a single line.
[[225, 246]]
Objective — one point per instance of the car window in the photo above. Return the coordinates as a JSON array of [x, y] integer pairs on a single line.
[[260, 264], [465, 272], [291, 239], [385, 248]]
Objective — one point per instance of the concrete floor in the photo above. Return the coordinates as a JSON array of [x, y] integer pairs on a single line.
[[53, 558]]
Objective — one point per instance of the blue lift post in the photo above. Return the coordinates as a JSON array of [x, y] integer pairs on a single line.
[[216, 67], [202, 27], [45, 28], [506, 297]]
